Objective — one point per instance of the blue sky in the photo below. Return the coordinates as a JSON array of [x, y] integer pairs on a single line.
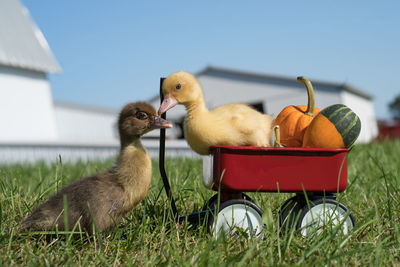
[[113, 52]]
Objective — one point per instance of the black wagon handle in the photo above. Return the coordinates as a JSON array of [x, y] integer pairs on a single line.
[[161, 161]]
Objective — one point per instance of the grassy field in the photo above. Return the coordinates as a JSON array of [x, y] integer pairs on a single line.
[[148, 235]]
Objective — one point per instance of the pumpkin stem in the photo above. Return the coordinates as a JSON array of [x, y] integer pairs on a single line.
[[310, 93], [277, 136]]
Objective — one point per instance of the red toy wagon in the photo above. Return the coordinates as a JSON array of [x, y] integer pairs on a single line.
[[313, 174], [273, 169]]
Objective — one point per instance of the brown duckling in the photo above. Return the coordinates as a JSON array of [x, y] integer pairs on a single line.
[[102, 199], [228, 125]]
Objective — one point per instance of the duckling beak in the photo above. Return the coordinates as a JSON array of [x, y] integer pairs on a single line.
[[159, 123], [168, 103]]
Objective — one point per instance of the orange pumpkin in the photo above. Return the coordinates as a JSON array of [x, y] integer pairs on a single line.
[[293, 120]]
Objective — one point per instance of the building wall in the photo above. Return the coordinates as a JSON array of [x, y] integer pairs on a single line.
[[81, 124], [26, 106], [365, 111]]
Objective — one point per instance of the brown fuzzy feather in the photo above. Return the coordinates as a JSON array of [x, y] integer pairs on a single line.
[[102, 199]]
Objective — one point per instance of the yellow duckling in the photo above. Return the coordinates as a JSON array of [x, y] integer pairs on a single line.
[[228, 125]]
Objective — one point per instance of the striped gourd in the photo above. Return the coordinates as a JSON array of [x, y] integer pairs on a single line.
[[336, 126]]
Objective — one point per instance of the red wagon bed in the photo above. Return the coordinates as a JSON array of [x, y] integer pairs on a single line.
[[273, 169]]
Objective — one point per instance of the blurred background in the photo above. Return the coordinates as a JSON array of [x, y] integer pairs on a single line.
[[68, 67]]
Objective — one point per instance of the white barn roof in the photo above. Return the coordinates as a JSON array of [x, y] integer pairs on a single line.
[[22, 44], [253, 76]]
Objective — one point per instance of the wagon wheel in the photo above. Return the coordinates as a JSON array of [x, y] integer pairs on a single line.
[[290, 212], [212, 203], [236, 214], [322, 213]]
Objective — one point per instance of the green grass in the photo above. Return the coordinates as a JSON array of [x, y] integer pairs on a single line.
[[148, 235]]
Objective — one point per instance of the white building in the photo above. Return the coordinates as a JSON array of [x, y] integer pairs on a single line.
[[271, 93], [84, 124], [33, 126], [26, 105]]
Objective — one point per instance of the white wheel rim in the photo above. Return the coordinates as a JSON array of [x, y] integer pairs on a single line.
[[238, 216], [325, 214]]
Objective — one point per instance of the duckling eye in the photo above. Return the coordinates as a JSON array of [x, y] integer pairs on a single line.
[[141, 116], [178, 86]]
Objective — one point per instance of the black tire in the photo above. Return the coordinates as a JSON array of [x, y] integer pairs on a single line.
[[290, 211], [211, 204]]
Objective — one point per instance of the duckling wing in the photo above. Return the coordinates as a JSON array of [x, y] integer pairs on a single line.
[[90, 198], [241, 117]]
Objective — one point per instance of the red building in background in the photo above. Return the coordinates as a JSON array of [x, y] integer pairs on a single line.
[[389, 129]]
